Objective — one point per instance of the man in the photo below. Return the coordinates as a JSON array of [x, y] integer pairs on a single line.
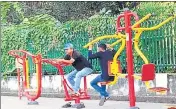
[[81, 65], [104, 56]]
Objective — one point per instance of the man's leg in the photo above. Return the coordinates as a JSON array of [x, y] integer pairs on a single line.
[[84, 72], [71, 77], [102, 89]]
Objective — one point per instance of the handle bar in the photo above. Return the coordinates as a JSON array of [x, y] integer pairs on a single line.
[[54, 62], [16, 54], [154, 27]]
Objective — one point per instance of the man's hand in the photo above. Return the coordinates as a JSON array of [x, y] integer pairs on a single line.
[[59, 60], [90, 47], [65, 61], [109, 46]]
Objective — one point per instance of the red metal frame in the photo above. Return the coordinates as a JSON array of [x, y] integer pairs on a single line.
[[16, 54], [129, 58], [118, 25], [68, 97], [127, 20]]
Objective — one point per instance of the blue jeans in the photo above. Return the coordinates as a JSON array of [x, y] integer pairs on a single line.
[[102, 89], [77, 75]]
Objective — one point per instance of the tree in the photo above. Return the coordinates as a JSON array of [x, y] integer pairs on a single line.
[[65, 11], [11, 12]]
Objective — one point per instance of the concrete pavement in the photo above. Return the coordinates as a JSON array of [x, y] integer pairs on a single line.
[[9, 102]]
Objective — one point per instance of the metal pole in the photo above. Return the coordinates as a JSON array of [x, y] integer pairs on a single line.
[[129, 54]]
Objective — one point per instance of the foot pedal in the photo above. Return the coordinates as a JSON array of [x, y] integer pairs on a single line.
[[82, 91], [78, 106], [75, 95], [158, 89]]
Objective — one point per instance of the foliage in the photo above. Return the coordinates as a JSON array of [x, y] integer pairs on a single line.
[[40, 30], [160, 9], [11, 12], [42, 33], [65, 11]]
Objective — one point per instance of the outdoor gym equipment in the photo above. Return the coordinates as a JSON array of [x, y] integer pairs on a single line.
[[147, 74], [114, 66], [69, 97], [24, 82]]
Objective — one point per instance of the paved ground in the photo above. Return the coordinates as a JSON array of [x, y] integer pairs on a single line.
[[8, 102]]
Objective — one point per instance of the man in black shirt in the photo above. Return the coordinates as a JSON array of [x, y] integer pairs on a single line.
[[81, 65], [104, 56]]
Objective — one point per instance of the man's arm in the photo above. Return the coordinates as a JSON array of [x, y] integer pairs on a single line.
[[93, 56], [67, 59]]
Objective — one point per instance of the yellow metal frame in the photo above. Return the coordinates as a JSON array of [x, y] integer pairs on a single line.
[[142, 20], [36, 67], [114, 67], [118, 36], [27, 72], [151, 28], [136, 42]]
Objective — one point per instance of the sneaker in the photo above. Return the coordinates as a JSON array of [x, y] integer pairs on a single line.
[[102, 100], [67, 105], [107, 98]]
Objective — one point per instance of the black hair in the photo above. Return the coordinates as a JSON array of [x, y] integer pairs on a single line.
[[103, 46]]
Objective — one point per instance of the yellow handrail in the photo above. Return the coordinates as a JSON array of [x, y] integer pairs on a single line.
[[119, 51], [157, 26], [100, 38], [142, 20], [119, 35], [136, 46], [115, 43]]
